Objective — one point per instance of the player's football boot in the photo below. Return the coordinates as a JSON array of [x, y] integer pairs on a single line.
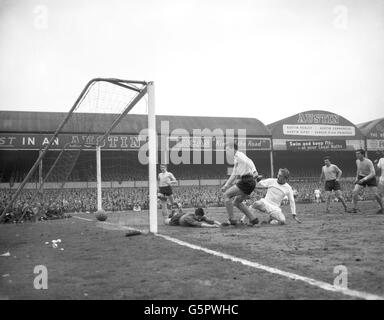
[[254, 221], [230, 222]]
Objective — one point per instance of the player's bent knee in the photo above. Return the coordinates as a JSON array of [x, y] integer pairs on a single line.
[[257, 205], [237, 202], [278, 216]]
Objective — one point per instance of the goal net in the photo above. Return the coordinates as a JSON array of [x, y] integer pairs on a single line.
[[95, 123]]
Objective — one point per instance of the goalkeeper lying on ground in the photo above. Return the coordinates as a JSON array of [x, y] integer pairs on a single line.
[[196, 219]]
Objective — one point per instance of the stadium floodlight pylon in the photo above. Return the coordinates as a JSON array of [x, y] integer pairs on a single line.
[[100, 95]]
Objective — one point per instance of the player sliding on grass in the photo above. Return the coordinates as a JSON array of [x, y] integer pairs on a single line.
[[234, 194], [166, 180], [277, 190], [365, 177], [196, 219], [331, 173]]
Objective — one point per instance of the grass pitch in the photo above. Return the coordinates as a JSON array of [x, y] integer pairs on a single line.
[[99, 262]]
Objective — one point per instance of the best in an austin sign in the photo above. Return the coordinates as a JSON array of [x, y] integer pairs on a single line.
[[123, 142], [70, 141]]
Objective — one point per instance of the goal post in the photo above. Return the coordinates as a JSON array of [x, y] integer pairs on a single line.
[[115, 98], [98, 178], [152, 161], [152, 146]]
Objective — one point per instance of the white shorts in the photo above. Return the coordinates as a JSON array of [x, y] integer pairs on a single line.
[[271, 209]]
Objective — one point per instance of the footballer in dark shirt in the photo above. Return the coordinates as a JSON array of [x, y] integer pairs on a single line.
[[192, 219]]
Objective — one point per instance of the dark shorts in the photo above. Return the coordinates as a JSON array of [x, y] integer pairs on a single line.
[[167, 191], [247, 184], [369, 183], [332, 185]]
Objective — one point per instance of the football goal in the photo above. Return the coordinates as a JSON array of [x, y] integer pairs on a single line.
[[95, 121]]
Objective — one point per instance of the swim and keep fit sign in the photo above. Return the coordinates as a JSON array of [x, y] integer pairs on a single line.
[[327, 145]]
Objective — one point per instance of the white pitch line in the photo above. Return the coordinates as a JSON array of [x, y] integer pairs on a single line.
[[123, 227], [112, 224], [82, 218], [313, 282]]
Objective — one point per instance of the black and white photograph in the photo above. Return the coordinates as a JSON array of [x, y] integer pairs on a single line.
[[189, 156]]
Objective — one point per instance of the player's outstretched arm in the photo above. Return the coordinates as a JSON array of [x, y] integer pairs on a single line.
[[207, 225], [217, 223], [210, 221], [293, 206]]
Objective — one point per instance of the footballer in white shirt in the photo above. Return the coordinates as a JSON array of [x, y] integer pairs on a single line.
[[271, 203], [380, 167], [240, 184]]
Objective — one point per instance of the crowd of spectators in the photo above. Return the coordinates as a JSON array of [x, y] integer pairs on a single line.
[[65, 201], [182, 172]]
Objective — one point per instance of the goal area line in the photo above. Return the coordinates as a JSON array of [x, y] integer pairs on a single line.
[[313, 282]]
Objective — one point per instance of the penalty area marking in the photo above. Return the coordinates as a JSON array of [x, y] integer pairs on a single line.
[[320, 284], [293, 276]]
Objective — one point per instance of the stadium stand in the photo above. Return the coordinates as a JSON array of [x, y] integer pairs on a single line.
[[374, 133]]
